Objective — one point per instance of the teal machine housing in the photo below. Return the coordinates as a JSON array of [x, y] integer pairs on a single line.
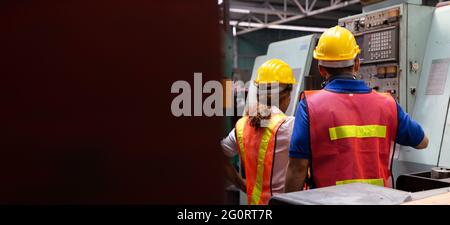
[[433, 95]]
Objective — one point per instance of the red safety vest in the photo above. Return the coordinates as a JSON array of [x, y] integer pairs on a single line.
[[352, 137], [256, 151]]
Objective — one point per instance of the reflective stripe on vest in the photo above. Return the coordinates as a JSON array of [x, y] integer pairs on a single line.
[[240, 136], [256, 150], [352, 137], [377, 182], [354, 131]]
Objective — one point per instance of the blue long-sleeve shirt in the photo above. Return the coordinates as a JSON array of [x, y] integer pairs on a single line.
[[409, 132]]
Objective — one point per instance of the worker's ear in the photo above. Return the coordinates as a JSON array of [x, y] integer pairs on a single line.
[[356, 66], [323, 72]]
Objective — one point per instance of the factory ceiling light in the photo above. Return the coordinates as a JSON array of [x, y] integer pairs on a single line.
[[279, 27], [235, 10]]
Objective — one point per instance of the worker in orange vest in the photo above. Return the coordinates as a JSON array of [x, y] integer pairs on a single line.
[[346, 132], [262, 136]]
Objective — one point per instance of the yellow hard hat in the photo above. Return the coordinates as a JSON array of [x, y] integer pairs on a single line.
[[275, 71], [336, 44]]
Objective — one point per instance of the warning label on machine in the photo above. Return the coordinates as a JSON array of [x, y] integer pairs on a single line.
[[437, 77]]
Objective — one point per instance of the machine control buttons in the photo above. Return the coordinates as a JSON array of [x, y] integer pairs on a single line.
[[377, 34], [372, 21], [380, 45]]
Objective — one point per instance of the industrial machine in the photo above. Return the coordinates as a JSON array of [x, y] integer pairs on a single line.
[[392, 39], [432, 106]]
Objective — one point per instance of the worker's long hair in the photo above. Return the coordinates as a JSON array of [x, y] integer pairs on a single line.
[[262, 111]]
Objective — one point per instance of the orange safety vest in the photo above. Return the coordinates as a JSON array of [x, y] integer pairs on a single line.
[[256, 151], [352, 137]]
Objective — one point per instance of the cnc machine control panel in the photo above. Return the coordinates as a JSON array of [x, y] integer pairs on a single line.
[[377, 35]]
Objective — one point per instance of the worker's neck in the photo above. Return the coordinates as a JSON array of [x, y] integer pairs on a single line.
[[330, 78], [345, 76]]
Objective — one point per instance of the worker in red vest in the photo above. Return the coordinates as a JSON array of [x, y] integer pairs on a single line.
[[262, 136], [346, 132]]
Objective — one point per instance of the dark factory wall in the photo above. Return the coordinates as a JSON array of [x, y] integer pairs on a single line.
[[85, 95]]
